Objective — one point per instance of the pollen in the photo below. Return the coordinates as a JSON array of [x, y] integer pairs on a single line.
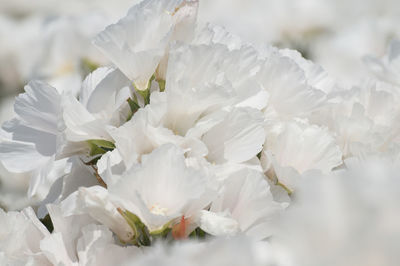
[[157, 209]]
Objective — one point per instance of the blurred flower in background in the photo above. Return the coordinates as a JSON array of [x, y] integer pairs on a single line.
[[332, 33], [51, 40], [47, 40], [351, 218]]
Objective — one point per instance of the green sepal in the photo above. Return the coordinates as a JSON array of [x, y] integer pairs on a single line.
[[95, 150], [163, 231], [105, 144], [146, 96], [133, 105], [100, 146], [161, 84], [92, 161], [141, 234], [145, 93], [132, 224], [198, 233], [88, 66], [133, 217]]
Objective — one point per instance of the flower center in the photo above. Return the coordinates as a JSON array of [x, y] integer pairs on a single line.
[[157, 209]]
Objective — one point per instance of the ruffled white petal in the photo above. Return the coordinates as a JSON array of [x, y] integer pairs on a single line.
[[238, 138]]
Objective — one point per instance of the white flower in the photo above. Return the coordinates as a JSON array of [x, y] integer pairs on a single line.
[[237, 138], [97, 247], [102, 104], [59, 63], [216, 34], [195, 85], [95, 202], [138, 42], [347, 217], [31, 142], [245, 204], [197, 90], [110, 166], [162, 188], [76, 240], [363, 117], [387, 68], [296, 147], [139, 136], [289, 90], [20, 235], [207, 63], [316, 76]]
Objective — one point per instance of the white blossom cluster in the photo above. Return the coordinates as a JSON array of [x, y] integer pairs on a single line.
[[198, 148]]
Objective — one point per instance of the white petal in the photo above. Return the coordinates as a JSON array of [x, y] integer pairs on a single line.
[[19, 157], [95, 202], [110, 166], [290, 94], [39, 106], [247, 197], [238, 138], [55, 251], [138, 137], [137, 42], [164, 188], [104, 88], [305, 147], [218, 224], [43, 178], [80, 124], [96, 247], [69, 229]]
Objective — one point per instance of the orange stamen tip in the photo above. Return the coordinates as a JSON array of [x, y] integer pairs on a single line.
[[179, 230]]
